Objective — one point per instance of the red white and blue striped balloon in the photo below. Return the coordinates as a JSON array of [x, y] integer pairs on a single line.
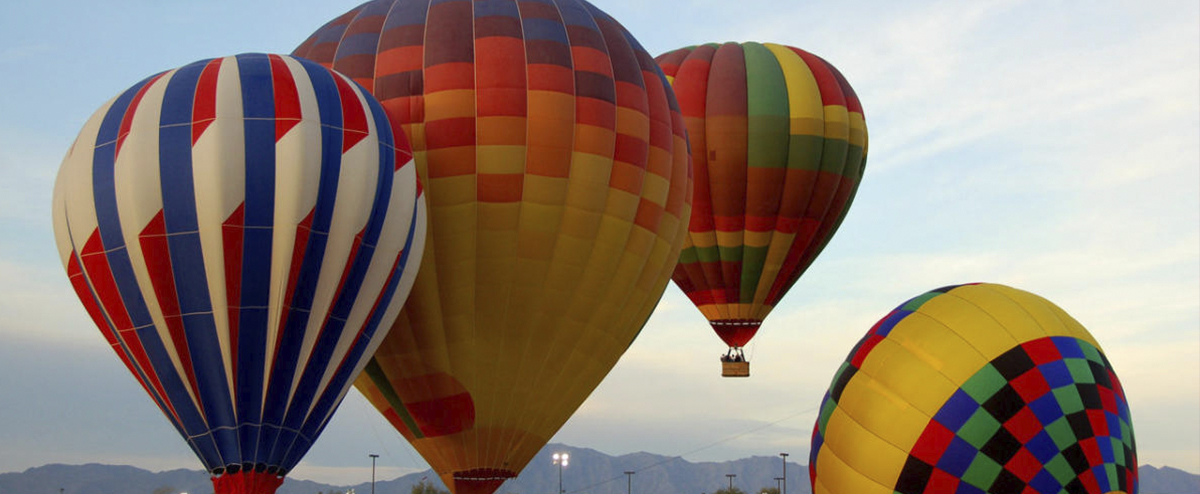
[[243, 231]]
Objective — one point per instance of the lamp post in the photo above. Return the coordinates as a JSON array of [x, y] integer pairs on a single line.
[[731, 476], [777, 479], [784, 489], [560, 459], [629, 476], [373, 457]]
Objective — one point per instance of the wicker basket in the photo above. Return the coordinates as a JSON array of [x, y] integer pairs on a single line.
[[735, 369]]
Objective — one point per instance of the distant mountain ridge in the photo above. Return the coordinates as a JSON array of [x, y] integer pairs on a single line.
[[590, 472]]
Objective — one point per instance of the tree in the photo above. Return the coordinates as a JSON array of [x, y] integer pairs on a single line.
[[769, 490], [726, 490], [424, 487]]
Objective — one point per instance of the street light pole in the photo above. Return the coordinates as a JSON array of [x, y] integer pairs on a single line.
[[731, 476], [373, 457], [784, 489], [629, 476], [562, 460], [777, 479]]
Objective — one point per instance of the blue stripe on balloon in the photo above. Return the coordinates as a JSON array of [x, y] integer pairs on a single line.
[[109, 224], [407, 13], [506, 8], [536, 28], [278, 403], [258, 127], [187, 260]]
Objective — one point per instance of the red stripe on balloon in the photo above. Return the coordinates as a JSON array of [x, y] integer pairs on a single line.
[[287, 98], [354, 117], [157, 253], [127, 118], [233, 231], [204, 104]]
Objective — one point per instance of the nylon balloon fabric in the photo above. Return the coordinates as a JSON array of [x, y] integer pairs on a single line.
[[556, 167], [779, 144], [243, 231], [973, 389]]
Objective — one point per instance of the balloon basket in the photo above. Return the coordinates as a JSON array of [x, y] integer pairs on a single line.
[[735, 369]]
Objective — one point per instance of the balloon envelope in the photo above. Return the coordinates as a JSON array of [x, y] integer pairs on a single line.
[[779, 144], [558, 179], [975, 388], [243, 231]]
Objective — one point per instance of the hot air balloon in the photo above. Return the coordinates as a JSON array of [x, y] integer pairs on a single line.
[[973, 389], [556, 167], [243, 231], [779, 144]]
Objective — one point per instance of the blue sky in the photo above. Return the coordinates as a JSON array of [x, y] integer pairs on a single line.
[[1050, 146]]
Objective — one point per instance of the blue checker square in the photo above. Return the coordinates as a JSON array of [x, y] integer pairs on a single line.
[[1106, 450], [1057, 374], [957, 410], [1114, 424], [958, 457], [1046, 408], [1045, 483], [966, 488], [1101, 478], [889, 322], [1068, 347], [1042, 447]]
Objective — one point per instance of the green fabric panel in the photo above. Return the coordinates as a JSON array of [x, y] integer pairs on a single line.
[[1068, 399], [1118, 451], [767, 109], [375, 373], [918, 301], [1060, 431], [804, 152], [982, 472], [730, 254], [826, 413], [979, 428], [1081, 372], [1111, 470], [707, 254], [985, 383], [833, 156], [1090, 352], [688, 256], [1060, 469], [753, 259]]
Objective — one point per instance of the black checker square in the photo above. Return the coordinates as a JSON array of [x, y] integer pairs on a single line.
[[1075, 457], [1080, 425], [1005, 404], [835, 392], [914, 477], [1007, 483], [1090, 395], [1122, 478], [1100, 374], [1002, 446], [1075, 486], [1013, 363]]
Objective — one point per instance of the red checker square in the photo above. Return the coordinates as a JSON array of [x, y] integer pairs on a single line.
[[865, 349], [1024, 465], [1088, 479], [1099, 422], [632, 96], [933, 443], [1029, 490], [1108, 399], [941, 482], [1091, 450], [1031, 385], [1041, 351], [1024, 425]]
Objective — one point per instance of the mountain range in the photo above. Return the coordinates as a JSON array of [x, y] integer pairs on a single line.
[[589, 472]]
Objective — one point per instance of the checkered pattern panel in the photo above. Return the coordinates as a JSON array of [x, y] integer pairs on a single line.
[[1047, 416]]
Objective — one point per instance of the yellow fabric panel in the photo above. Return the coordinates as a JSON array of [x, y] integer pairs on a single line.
[[974, 326], [858, 131], [938, 346], [450, 103], [837, 122], [859, 449], [879, 409], [632, 122], [804, 98], [1019, 323], [906, 375], [500, 159]]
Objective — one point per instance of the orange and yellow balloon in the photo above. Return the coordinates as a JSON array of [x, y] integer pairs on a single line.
[[556, 169]]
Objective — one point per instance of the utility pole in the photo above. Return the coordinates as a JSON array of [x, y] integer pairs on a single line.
[[629, 476], [784, 489], [731, 476], [777, 487], [373, 457]]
